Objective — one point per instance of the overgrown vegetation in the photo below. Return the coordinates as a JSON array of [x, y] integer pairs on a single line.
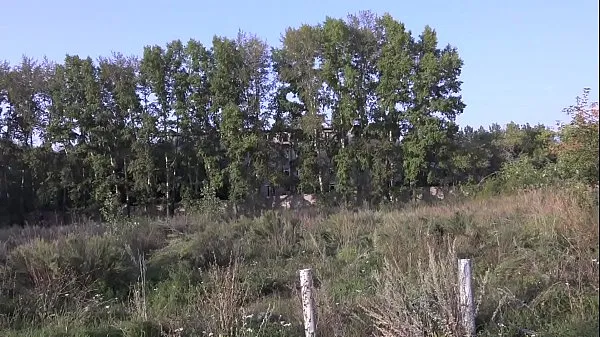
[[390, 272], [188, 125]]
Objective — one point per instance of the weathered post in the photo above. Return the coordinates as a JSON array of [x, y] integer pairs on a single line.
[[308, 302], [467, 310]]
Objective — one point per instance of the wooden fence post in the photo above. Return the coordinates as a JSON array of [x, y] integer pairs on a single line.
[[308, 302], [467, 310]]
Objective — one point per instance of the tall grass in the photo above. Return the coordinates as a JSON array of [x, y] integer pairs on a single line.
[[385, 273]]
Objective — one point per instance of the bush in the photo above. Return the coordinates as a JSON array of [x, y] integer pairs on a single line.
[[578, 150]]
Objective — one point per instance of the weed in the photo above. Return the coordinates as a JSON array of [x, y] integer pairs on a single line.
[[385, 272]]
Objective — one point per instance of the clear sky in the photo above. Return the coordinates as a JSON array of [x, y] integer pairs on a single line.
[[524, 60]]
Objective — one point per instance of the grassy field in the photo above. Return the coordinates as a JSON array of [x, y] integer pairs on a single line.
[[387, 272]]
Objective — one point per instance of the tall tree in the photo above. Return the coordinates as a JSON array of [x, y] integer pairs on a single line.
[[76, 101], [240, 89], [227, 84], [157, 72], [256, 97], [116, 127], [26, 100], [298, 65], [202, 143], [420, 91]]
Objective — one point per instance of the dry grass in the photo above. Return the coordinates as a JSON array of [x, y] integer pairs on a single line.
[[386, 273], [420, 304]]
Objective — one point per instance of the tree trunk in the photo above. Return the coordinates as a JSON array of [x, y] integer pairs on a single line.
[[113, 164], [125, 184], [320, 176], [167, 194], [21, 197]]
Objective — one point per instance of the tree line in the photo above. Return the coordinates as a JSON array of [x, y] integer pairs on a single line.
[[185, 121]]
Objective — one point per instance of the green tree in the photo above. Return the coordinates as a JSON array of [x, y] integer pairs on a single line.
[[577, 150], [116, 130], [298, 66], [157, 73], [240, 87], [23, 123], [256, 71], [419, 93], [228, 84], [76, 101], [202, 137]]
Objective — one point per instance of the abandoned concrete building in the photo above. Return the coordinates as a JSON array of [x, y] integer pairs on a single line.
[[291, 155]]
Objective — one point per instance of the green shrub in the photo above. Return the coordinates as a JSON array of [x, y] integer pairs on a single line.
[[101, 261]]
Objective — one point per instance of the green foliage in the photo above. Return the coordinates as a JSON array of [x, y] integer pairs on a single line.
[[367, 108], [522, 173], [578, 148]]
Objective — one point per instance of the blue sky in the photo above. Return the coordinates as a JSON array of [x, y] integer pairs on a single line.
[[524, 60]]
